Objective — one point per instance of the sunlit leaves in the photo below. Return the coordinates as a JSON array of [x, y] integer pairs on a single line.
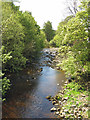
[[74, 44], [21, 38]]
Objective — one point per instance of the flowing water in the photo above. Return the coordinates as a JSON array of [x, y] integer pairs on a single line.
[[26, 98]]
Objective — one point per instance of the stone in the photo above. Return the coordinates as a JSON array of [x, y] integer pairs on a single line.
[[66, 111], [83, 109], [83, 96], [54, 99], [76, 108], [66, 98], [85, 105], [60, 102], [64, 101], [41, 69], [72, 114], [48, 97], [53, 109], [56, 104], [58, 84], [73, 106], [79, 115], [63, 113], [57, 113], [62, 116], [58, 109], [66, 82], [75, 112], [58, 68], [80, 109], [53, 102]]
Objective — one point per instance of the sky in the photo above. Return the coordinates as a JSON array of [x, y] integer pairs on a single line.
[[44, 10]]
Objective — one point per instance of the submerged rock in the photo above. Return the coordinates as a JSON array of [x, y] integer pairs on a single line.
[[41, 69]]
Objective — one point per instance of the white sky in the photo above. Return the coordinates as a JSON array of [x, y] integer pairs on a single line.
[[44, 10]]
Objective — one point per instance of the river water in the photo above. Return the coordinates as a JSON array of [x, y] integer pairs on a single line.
[[26, 98]]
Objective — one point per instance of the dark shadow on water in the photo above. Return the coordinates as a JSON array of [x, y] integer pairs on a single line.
[[26, 98]]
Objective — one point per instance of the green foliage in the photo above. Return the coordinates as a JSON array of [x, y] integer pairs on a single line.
[[72, 38], [49, 32], [74, 91], [34, 37], [4, 82], [21, 38]]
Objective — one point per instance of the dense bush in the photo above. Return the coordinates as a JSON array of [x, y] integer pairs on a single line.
[[72, 38], [21, 38]]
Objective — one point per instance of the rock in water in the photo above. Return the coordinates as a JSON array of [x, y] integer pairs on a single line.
[[57, 113], [48, 97], [53, 109], [41, 69]]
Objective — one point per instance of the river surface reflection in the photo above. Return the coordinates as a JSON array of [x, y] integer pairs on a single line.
[[26, 98]]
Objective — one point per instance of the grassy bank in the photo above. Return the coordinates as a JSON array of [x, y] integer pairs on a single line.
[[74, 100]]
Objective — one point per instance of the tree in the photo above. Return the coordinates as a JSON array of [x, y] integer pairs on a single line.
[[72, 37], [72, 6], [49, 32], [21, 37]]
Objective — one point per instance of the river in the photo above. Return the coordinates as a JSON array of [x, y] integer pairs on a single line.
[[26, 98]]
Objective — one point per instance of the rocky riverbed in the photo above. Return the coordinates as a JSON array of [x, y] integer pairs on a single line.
[[72, 100]]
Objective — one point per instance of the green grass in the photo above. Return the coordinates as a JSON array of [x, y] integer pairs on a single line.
[[74, 92]]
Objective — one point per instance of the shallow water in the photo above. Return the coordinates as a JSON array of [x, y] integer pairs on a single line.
[[26, 98]]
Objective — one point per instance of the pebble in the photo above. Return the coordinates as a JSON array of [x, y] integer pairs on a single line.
[[80, 109], [83, 96], [53, 109], [58, 84], [66, 98], [63, 113], [65, 110], [73, 106], [76, 109], [57, 113], [56, 104], [83, 109], [66, 82], [62, 116], [48, 97], [53, 102], [60, 102], [58, 68], [72, 114], [58, 109], [85, 105]]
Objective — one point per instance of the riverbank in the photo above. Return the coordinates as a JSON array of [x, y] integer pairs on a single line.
[[29, 87], [72, 100]]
